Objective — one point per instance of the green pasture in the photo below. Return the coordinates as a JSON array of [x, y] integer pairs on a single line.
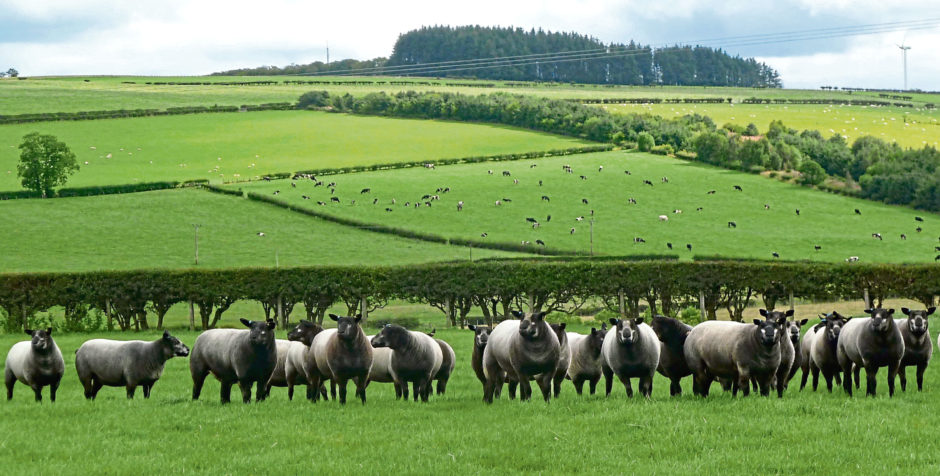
[[241, 146], [69, 94], [909, 127], [826, 220], [155, 230], [457, 433]]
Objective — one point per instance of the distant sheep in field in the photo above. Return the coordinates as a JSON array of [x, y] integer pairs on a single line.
[[876, 236], [506, 173], [852, 259], [115, 363], [663, 218], [36, 363]]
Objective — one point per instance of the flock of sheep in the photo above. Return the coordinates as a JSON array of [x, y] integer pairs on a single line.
[[764, 354]]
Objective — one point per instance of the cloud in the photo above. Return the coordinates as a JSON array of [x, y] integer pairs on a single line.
[[168, 37]]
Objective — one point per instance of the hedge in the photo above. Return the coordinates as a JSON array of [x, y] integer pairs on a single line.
[[124, 113], [665, 285], [102, 189]]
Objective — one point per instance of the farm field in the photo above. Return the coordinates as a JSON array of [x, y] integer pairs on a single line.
[[457, 433], [825, 219], [239, 146], [72, 93], [154, 230], [909, 127]]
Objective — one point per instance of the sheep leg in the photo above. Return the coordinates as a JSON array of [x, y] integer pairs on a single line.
[[675, 387], [525, 388], [870, 383], [245, 387], [96, 387], [608, 379], [646, 386], [441, 386], [902, 376], [593, 383], [52, 389], [545, 382], [846, 366], [225, 391], [341, 383], [766, 384], [578, 383], [417, 389], [315, 382], [402, 388], [131, 389], [828, 376], [37, 389], [361, 383], [397, 391], [199, 378], [804, 378], [290, 391], [332, 389], [626, 385], [920, 376], [10, 381], [147, 387], [892, 372], [858, 379], [322, 391], [556, 388], [512, 389], [744, 383], [261, 391]]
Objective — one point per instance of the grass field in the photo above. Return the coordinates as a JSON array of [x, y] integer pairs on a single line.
[[910, 127], [458, 434], [240, 146], [69, 94], [154, 230], [825, 219]]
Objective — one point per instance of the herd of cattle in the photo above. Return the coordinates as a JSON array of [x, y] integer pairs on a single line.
[[764, 354]]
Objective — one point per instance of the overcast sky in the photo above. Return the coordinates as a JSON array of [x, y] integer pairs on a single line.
[[179, 37]]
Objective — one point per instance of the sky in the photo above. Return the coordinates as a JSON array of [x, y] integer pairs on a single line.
[[189, 37]]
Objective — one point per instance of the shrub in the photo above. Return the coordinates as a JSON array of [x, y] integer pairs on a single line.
[[410, 323], [645, 141], [812, 172], [664, 149]]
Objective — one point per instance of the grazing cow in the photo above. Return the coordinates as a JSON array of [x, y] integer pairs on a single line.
[[506, 173], [638, 240], [540, 242], [583, 177], [917, 345], [710, 192], [903, 236], [669, 245], [600, 168], [545, 197], [797, 212], [665, 180], [876, 236], [732, 224], [870, 343], [817, 247], [918, 219], [515, 181], [522, 349], [689, 246], [334, 199], [738, 188], [572, 232], [460, 205], [626, 172], [766, 206], [647, 182], [548, 218], [531, 220], [858, 212], [580, 218], [852, 259], [365, 190], [483, 235], [775, 254], [36, 363]]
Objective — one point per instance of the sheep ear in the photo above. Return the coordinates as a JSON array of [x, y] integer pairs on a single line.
[[905, 311], [29, 332], [358, 318], [789, 313], [305, 322], [271, 324], [867, 311], [49, 331], [246, 322], [593, 330], [614, 322], [638, 320], [334, 317], [757, 321], [802, 322], [518, 314], [930, 310], [847, 319], [604, 326], [890, 311], [763, 312], [562, 325], [539, 316], [166, 334], [472, 327]]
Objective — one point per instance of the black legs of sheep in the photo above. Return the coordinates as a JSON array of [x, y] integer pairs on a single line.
[[902, 373], [579, 384]]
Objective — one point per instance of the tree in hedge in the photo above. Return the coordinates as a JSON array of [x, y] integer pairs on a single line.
[[645, 141], [13, 73], [45, 163], [751, 130], [711, 147], [313, 99], [812, 172]]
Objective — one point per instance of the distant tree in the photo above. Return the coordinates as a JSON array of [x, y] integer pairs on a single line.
[[813, 173], [45, 163], [711, 147], [645, 141], [313, 99], [13, 73], [751, 130]]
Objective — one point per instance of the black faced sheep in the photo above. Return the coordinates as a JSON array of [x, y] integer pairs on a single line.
[[870, 343], [36, 363], [823, 353], [342, 355], [125, 364], [787, 350], [561, 369], [416, 358], [481, 335], [794, 329], [244, 356], [301, 337], [917, 345], [585, 365], [522, 349], [447, 366], [630, 350], [672, 365], [734, 351]]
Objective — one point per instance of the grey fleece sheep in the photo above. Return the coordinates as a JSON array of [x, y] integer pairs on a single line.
[[586, 358], [342, 355], [917, 345], [301, 336], [672, 365], [787, 350], [279, 376], [127, 364], [564, 359], [481, 336], [447, 366], [823, 354], [416, 358], [794, 329], [735, 351], [521, 349], [381, 370], [870, 343], [246, 357], [36, 362], [630, 350]]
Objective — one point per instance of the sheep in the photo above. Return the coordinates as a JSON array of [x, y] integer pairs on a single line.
[[481, 335], [416, 358], [672, 365], [585, 365], [794, 328], [630, 350], [521, 349], [447, 366], [858, 212], [917, 345], [663, 218], [36, 362], [823, 353], [669, 245], [787, 349], [735, 351], [342, 355], [231, 355], [870, 343], [301, 336], [563, 361], [279, 376], [127, 364], [876, 236], [851, 259], [806, 348]]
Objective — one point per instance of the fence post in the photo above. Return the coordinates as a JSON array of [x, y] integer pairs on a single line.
[[280, 312], [867, 300], [107, 313], [364, 307], [791, 301], [701, 303], [192, 316], [622, 306]]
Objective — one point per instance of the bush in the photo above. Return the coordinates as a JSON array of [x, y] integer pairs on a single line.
[[410, 323], [812, 172], [664, 149], [690, 315], [645, 141]]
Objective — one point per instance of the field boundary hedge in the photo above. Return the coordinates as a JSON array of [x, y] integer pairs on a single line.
[[103, 189], [126, 113], [667, 286], [709, 100], [826, 102]]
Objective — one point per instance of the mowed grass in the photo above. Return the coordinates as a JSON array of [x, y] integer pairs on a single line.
[[457, 433], [909, 127], [69, 94], [155, 230], [241, 146], [825, 219]]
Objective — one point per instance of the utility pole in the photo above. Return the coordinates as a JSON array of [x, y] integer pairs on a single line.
[[592, 237], [196, 240], [904, 56], [328, 52]]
